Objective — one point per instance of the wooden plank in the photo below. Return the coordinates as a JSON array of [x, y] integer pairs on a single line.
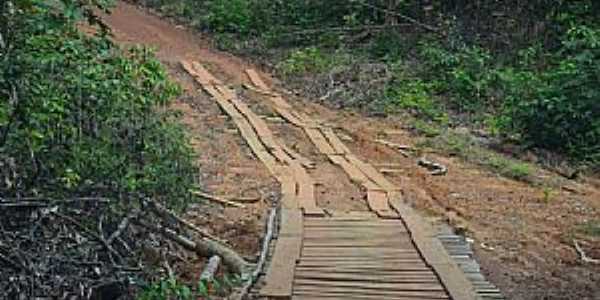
[[204, 75], [319, 141], [450, 274], [287, 115], [256, 80], [305, 162], [349, 252], [367, 277], [335, 141], [261, 85], [321, 296], [373, 263], [299, 290], [353, 172], [361, 257], [351, 224], [280, 275], [306, 191], [349, 235], [363, 269], [377, 200], [291, 223], [370, 285], [288, 189], [417, 275], [372, 173]]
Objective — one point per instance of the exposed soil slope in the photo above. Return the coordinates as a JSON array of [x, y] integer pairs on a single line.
[[527, 236]]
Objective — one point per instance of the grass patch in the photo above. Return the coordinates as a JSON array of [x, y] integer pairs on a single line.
[[310, 60], [590, 228], [508, 167], [465, 147]]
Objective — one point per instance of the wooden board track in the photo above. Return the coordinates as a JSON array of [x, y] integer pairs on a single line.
[[388, 254], [340, 259], [284, 164]]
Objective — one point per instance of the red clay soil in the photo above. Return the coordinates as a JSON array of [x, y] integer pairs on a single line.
[[523, 239]]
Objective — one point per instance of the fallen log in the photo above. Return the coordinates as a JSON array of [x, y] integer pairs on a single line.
[[203, 247]]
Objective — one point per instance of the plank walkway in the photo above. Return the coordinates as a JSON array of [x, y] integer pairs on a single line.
[[389, 253]]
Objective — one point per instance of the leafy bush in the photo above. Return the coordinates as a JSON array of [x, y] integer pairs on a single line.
[[466, 75], [80, 117], [413, 95], [229, 16], [560, 108], [303, 61]]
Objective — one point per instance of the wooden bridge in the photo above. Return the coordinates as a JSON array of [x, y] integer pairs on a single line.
[[387, 253]]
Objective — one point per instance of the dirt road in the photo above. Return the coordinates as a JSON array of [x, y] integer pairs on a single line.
[[527, 250]]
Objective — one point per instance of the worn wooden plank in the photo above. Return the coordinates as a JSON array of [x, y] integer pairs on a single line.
[[372, 285], [372, 173], [280, 275], [257, 80], [377, 200], [306, 191], [291, 223], [288, 189], [374, 263], [305, 162], [355, 223], [319, 141], [353, 172], [450, 274], [372, 234], [402, 278], [335, 141], [322, 296], [287, 115], [299, 290], [360, 256]]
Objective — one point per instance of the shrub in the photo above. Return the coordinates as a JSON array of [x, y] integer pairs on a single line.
[[465, 75], [303, 61], [410, 93], [80, 117], [560, 109]]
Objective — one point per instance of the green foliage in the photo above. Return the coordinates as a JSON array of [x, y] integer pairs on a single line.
[[167, 289], [590, 228], [229, 16], [412, 94], [509, 168], [309, 60], [171, 289], [559, 108], [79, 116], [538, 85], [465, 74]]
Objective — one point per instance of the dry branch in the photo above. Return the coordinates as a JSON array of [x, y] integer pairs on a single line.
[[217, 199], [584, 257], [263, 256], [406, 18]]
